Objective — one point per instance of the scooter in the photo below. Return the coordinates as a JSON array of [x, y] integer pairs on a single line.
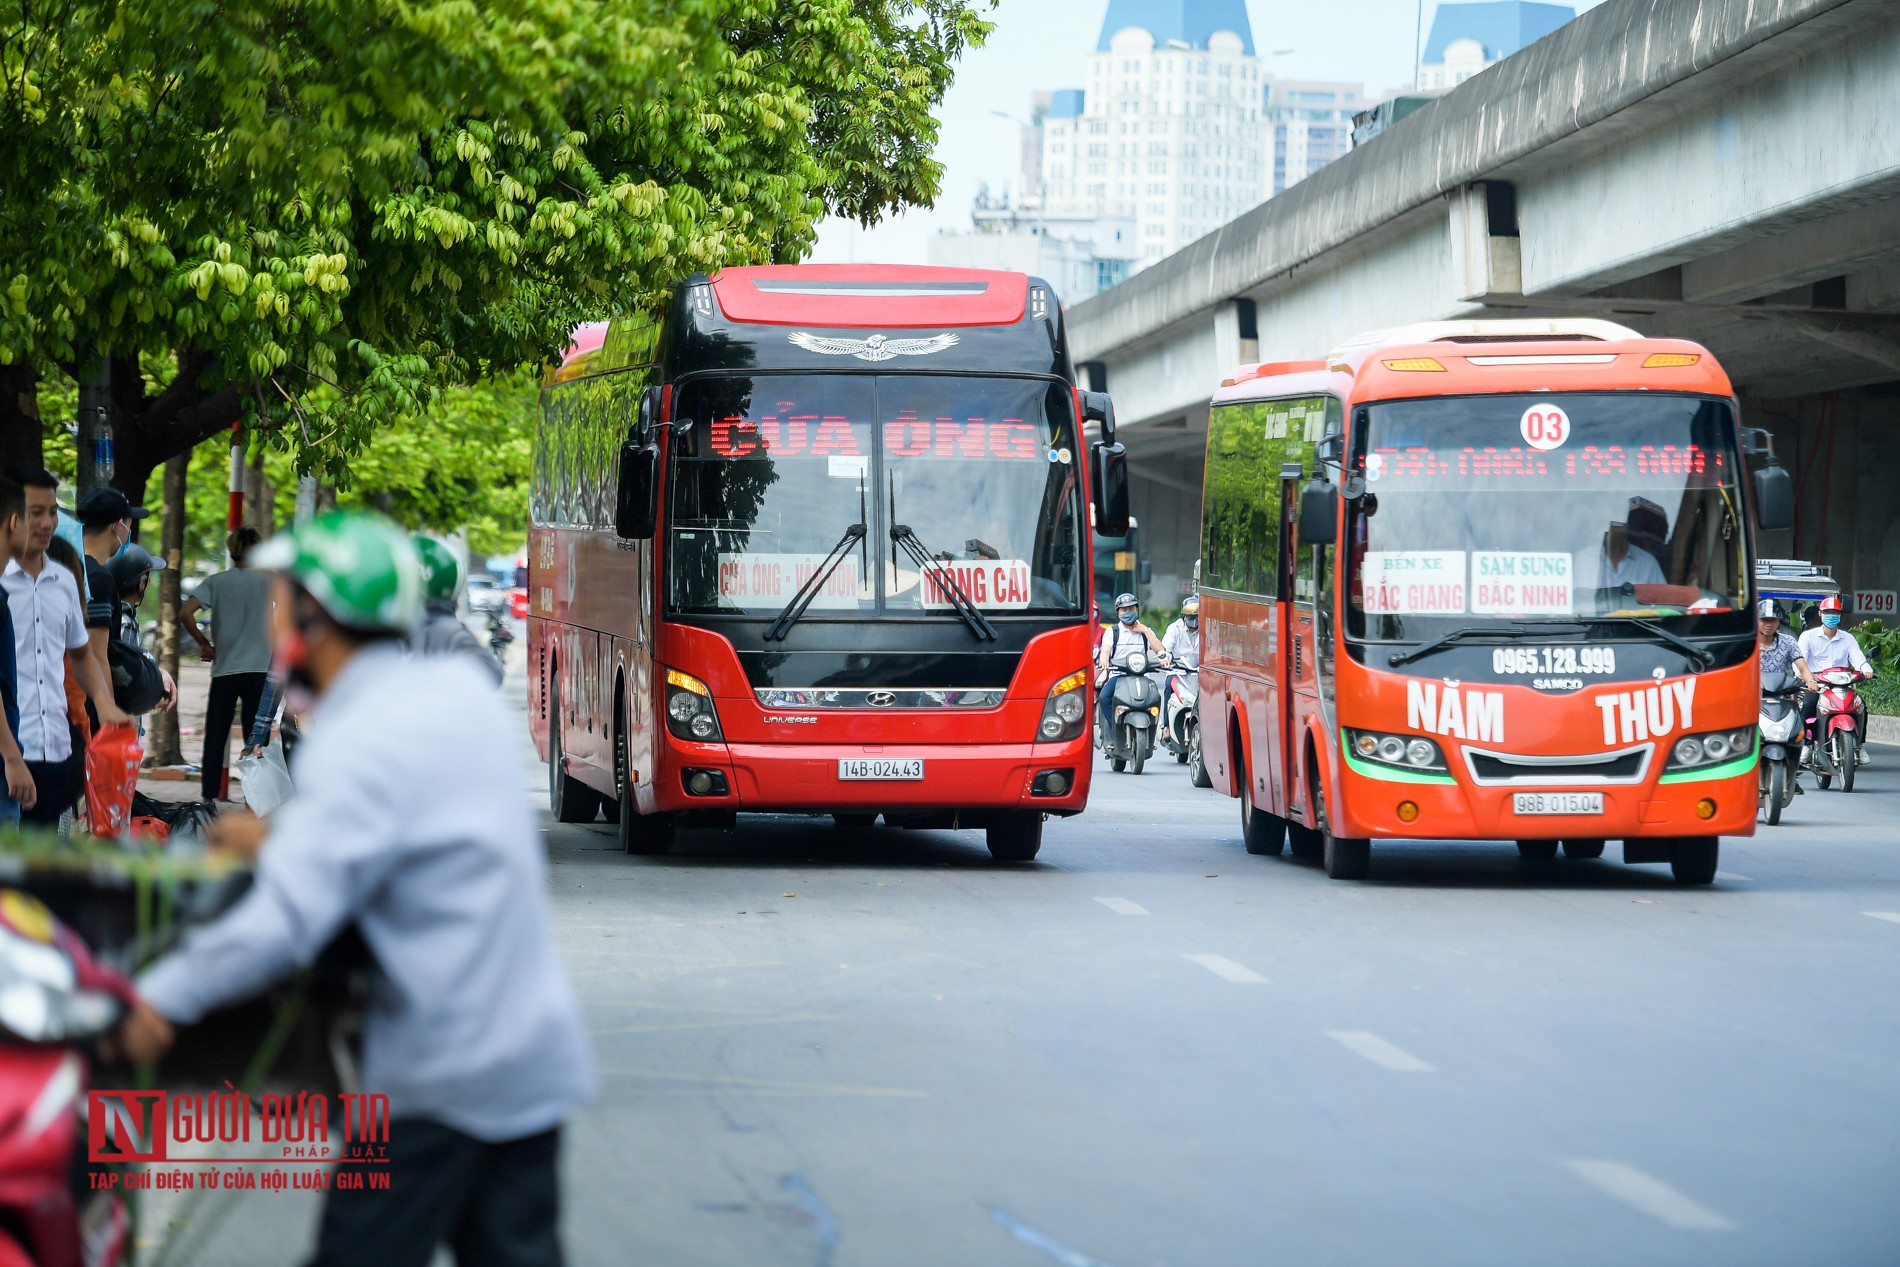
[[1135, 703], [1180, 692], [1839, 723], [1780, 724], [56, 1002], [499, 636]]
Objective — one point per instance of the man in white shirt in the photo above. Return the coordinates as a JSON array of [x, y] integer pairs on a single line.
[[1182, 641], [1828, 646], [49, 632], [1623, 559]]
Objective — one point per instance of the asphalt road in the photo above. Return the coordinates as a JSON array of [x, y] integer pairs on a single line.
[[1148, 1048]]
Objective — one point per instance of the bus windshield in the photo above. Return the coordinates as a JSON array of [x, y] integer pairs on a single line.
[[1497, 510], [768, 472]]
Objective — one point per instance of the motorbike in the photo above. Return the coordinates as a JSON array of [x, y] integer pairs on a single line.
[[56, 1002], [1180, 690], [1839, 722], [1780, 724], [1135, 703], [499, 636]]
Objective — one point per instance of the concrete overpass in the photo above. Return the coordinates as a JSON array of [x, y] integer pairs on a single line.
[[1720, 170]]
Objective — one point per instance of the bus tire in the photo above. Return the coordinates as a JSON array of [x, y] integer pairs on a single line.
[[1263, 834], [1344, 857], [1694, 858], [1197, 760], [1014, 837], [1538, 849], [854, 820], [1583, 848], [570, 800], [637, 833]]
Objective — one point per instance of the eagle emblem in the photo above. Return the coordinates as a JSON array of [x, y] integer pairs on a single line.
[[875, 348]]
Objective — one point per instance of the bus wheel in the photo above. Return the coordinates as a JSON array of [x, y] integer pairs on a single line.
[[1583, 849], [1694, 859], [854, 820], [638, 833], [1262, 833], [570, 800], [1014, 837], [1345, 858], [1196, 760], [1540, 849]]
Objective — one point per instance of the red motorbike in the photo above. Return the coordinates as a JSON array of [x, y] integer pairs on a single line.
[[56, 1002], [1840, 727]]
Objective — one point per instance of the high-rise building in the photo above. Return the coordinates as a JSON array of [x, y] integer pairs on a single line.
[[1079, 254], [1308, 125], [1466, 38], [1168, 131]]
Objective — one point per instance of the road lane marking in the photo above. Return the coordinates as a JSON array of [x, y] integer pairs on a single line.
[[672, 1026], [1892, 917], [762, 1086], [1122, 906], [1037, 1240], [1227, 970], [1380, 1052], [1650, 1195]]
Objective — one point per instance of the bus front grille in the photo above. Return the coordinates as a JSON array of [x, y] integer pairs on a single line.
[[1627, 766]]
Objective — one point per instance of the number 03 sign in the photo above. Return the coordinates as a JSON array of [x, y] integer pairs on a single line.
[[1545, 427]]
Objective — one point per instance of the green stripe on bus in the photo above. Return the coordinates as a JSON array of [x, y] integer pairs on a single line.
[[1393, 775]]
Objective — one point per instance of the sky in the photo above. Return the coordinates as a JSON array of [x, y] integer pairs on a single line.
[[1045, 44]]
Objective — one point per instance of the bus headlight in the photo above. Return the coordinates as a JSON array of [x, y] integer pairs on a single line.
[[1693, 751], [689, 708], [1066, 710], [1404, 752]]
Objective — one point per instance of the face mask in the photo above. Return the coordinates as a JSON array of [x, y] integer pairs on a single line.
[[1193, 622], [1831, 620], [1127, 618]]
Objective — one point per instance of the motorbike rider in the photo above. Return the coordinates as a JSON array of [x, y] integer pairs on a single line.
[[1828, 646], [1779, 652], [1182, 640], [1119, 641], [410, 821], [442, 631]]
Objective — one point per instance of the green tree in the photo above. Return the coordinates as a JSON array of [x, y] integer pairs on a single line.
[[320, 215]]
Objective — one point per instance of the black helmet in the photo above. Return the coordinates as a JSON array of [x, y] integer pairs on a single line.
[[1126, 600]]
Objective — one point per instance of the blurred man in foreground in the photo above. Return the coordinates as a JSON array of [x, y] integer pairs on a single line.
[[409, 821]]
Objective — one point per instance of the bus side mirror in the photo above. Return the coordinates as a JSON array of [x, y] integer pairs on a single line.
[[636, 508], [1097, 407], [1319, 513], [1774, 498], [1111, 489]]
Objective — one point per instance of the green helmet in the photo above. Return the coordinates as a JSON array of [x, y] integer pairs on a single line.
[[361, 568], [441, 570]]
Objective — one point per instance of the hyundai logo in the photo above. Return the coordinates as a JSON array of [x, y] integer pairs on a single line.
[[880, 699]]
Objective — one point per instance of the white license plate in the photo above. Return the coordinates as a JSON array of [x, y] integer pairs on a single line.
[[880, 768], [1556, 802]]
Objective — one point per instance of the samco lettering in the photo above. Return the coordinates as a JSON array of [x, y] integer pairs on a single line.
[[1650, 713], [1477, 716]]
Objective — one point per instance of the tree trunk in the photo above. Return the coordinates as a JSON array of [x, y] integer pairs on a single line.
[[164, 742], [260, 499], [21, 443]]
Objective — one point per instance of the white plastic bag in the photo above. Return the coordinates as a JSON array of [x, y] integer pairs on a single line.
[[266, 778]]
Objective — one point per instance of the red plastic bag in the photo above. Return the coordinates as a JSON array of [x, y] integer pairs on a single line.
[[112, 775]]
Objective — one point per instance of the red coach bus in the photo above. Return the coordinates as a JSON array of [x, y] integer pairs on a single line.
[[816, 540], [1540, 627]]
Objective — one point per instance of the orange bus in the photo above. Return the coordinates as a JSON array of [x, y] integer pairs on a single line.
[[815, 540], [1485, 580]]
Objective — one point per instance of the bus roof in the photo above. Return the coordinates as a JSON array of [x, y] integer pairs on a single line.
[[883, 295], [1453, 358]]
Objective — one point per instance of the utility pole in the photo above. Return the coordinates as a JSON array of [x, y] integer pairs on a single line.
[[94, 442]]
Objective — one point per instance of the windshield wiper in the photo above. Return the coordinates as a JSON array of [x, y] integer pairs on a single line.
[[979, 624], [1513, 634], [1702, 655], [794, 610]]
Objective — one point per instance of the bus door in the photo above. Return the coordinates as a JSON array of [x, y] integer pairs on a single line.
[[1293, 652]]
